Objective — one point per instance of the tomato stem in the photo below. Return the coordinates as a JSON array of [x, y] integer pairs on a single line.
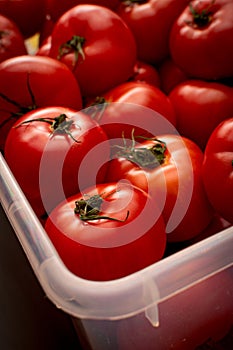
[[89, 209], [201, 18], [97, 108], [59, 124], [146, 157], [75, 44]]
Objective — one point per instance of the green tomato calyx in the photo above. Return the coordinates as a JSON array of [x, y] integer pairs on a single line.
[[58, 125], [75, 45], [89, 208], [146, 157]]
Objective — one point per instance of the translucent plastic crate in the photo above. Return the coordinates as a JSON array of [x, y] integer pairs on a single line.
[[181, 302]]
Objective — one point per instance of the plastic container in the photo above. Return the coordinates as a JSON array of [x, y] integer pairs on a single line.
[[180, 302]]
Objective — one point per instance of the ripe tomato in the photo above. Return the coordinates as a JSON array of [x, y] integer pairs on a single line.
[[150, 22], [28, 82], [201, 39], [217, 225], [137, 105], [11, 40], [56, 10], [108, 231], [146, 73], [170, 75], [169, 168], [47, 152], [98, 47], [44, 48], [199, 107], [218, 169], [27, 14]]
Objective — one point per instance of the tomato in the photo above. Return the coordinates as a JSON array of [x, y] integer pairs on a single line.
[[44, 48], [199, 107], [218, 169], [52, 154], [28, 82], [150, 22], [46, 30], [108, 231], [146, 73], [201, 39], [11, 40], [137, 105], [55, 10], [169, 169], [27, 14], [95, 43], [170, 75], [194, 318], [217, 224]]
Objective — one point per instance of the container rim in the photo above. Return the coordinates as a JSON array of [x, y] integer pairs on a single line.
[[110, 300]]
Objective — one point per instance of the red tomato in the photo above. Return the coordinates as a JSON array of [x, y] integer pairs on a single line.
[[199, 107], [137, 105], [27, 14], [108, 232], [218, 169], [150, 22], [11, 40], [47, 151], [146, 73], [45, 46], [46, 30], [201, 39], [29, 82], [194, 318], [96, 45], [169, 168], [55, 10], [217, 224], [170, 75]]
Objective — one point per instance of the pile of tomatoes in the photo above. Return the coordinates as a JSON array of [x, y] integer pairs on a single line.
[[119, 127]]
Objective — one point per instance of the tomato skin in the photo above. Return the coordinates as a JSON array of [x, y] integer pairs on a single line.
[[199, 107], [170, 75], [104, 249], [47, 164], [176, 184], [109, 49], [27, 14], [134, 105], [217, 224], [44, 48], [146, 73], [218, 169], [11, 39], [50, 81], [150, 22], [56, 11], [193, 48]]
